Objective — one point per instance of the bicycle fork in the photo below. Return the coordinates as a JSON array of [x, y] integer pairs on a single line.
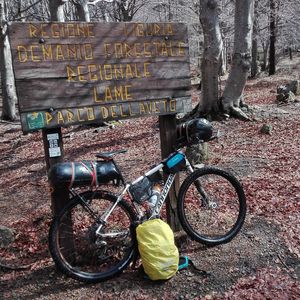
[[204, 197]]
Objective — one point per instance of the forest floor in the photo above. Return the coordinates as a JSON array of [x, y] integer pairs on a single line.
[[262, 262]]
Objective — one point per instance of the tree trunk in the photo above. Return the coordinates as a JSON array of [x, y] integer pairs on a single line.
[[57, 10], [241, 62], [213, 44], [20, 12], [9, 95], [272, 51], [223, 63], [290, 53], [254, 66], [82, 10], [265, 53], [169, 11]]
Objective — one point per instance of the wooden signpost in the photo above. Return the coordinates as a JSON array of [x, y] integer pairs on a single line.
[[80, 73]]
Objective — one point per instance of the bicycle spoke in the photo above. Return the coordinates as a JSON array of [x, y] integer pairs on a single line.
[[80, 251], [223, 212]]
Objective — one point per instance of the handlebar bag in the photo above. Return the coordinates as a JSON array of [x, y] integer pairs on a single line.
[[157, 249], [84, 173]]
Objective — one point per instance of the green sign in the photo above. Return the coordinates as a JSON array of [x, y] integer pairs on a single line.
[[35, 120]]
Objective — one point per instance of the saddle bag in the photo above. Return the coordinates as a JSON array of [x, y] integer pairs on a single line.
[[84, 173]]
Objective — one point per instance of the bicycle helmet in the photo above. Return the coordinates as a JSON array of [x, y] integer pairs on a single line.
[[197, 130]]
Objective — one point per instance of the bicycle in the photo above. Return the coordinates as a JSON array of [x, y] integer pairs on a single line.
[[93, 239]]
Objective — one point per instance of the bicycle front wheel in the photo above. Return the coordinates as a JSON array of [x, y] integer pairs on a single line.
[[80, 252], [211, 206]]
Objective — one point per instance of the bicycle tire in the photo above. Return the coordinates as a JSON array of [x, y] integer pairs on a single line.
[[218, 221], [78, 252]]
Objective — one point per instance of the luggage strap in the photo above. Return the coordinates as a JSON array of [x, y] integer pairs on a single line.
[[92, 170], [185, 262]]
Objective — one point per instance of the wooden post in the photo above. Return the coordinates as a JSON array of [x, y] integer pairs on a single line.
[[168, 135], [54, 153]]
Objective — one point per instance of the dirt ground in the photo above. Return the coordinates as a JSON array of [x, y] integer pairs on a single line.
[[262, 262]]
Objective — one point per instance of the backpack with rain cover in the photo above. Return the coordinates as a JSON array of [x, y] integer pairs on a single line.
[[157, 249]]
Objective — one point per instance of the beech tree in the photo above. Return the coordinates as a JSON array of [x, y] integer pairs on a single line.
[[241, 62], [82, 10], [209, 18], [288, 24], [9, 95], [254, 65], [231, 99], [277, 30], [272, 51], [120, 10], [57, 10]]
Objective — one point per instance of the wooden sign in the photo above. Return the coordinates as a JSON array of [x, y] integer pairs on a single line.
[[75, 73]]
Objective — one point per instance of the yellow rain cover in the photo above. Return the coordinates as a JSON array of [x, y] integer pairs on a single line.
[[157, 248]]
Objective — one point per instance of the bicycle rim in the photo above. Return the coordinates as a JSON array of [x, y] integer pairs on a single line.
[[82, 254], [215, 214]]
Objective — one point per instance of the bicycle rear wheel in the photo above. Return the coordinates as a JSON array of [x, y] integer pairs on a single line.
[[211, 206], [76, 248]]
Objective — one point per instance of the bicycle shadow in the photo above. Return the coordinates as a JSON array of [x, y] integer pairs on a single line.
[[27, 285], [48, 283]]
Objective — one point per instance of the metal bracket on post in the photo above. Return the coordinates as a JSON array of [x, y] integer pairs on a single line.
[[168, 137]]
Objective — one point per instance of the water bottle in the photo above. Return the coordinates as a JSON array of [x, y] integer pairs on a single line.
[[154, 196]]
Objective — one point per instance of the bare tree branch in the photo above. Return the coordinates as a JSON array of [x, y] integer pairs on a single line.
[[27, 8], [97, 1]]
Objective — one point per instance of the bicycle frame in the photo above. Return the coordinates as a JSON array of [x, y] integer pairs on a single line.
[[166, 188], [163, 196], [155, 210], [158, 205]]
